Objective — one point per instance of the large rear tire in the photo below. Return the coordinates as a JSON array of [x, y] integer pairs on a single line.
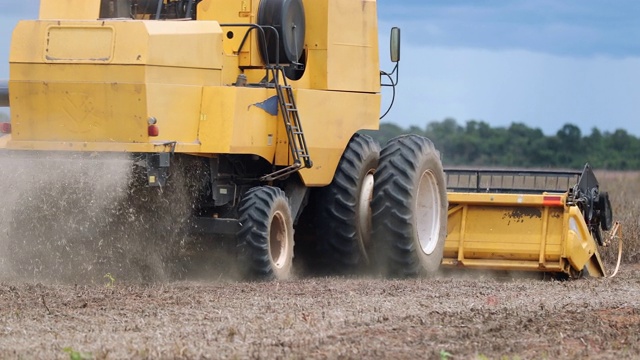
[[265, 239], [344, 220], [409, 207]]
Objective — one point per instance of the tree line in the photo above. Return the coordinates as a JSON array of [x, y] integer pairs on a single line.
[[476, 143]]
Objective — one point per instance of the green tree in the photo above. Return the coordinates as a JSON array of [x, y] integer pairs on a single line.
[[478, 144]]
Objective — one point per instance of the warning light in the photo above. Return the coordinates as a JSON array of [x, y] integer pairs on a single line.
[[5, 128]]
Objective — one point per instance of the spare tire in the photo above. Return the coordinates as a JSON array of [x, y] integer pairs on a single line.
[[287, 17]]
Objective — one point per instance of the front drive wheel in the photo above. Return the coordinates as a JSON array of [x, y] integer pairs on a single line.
[[265, 239], [409, 207]]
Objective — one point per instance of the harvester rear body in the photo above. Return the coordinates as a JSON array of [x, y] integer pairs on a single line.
[[81, 84]]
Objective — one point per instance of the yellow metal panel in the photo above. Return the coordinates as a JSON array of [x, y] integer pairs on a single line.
[[78, 111], [182, 76], [316, 75], [579, 245], [64, 101], [231, 123], [329, 119], [517, 232], [191, 44], [48, 73], [70, 9], [63, 44], [317, 20], [353, 37], [177, 109], [235, 12], [186, 44], [341, 39]]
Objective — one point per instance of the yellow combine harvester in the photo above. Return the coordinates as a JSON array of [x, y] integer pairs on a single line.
[[218, 92], [256, 102]]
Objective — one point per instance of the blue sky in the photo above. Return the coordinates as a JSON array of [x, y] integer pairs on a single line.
[[539, 62]]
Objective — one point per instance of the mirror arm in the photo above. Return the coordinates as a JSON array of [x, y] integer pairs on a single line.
[[394, 76]]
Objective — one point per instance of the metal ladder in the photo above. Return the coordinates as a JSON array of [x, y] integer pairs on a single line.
[[293, 126]]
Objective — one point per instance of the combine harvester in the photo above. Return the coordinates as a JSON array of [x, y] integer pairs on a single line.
[[218, 92], [257, 103]]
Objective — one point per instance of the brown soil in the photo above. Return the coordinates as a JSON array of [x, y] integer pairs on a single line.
[[454, 316], [326, 318]]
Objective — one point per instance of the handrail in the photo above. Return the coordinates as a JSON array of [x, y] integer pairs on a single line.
[[265, 54]]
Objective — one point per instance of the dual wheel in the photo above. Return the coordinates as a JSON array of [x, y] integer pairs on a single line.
[[384, 210]]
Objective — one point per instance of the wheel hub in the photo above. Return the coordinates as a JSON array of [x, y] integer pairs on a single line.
[[427, 212], [278, 239], [364, 207]]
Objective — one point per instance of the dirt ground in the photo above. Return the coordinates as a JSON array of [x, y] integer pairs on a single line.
[[140, 314], [326, 318]]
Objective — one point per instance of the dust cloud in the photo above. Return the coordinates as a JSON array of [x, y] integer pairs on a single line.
[[75, 218]]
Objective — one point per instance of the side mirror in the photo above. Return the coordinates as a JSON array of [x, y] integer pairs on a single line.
[[395, 44]]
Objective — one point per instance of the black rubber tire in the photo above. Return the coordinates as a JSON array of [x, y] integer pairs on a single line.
[[345, 240], [409, 164], [265, 240], [288, 18]]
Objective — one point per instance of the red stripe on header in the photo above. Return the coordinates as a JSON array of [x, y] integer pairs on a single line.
[[552, 201]]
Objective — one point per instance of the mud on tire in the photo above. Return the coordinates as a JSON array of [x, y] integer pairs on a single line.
[[265, 240], [409, 208], [344, 215]]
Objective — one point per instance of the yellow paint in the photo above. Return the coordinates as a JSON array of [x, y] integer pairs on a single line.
[[329, 120], [516, 232], [62, 44], [232, 124]]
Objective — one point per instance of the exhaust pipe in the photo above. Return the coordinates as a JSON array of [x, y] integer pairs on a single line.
[[4, 93]]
